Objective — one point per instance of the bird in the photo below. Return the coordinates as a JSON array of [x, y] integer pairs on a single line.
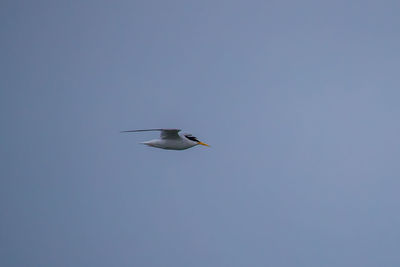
[[170, 139]]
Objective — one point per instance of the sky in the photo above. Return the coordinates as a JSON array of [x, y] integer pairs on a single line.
[[299, 101]]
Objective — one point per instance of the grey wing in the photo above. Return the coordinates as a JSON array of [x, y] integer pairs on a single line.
[[170, 134], [165, 133]]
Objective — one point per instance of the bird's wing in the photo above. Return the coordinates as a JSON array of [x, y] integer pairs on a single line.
[[165, 133], [170, 134]]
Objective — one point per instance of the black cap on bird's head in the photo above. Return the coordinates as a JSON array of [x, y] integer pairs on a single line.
[[191, 137], [194, 139]]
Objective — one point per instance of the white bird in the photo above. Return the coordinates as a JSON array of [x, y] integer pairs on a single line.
[[170, 139]]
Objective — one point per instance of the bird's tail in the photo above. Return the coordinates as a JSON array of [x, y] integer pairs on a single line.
[[147, 143]]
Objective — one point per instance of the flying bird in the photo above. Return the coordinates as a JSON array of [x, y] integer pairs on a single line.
[[170, 139]]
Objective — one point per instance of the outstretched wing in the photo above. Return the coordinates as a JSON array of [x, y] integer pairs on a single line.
[[165, 133]]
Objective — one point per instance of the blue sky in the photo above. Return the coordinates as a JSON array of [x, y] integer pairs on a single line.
[[298, 99]]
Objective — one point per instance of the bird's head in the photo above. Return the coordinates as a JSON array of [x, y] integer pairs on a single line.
[[194, 139]]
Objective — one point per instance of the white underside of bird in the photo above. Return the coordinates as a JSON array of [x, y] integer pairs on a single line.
[[171, 140]]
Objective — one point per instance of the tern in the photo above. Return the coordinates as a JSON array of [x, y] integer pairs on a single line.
[[170, 139]]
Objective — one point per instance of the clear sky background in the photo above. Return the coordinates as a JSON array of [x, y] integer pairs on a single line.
[[298, 99]]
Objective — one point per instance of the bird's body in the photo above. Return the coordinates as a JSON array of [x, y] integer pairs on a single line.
[[170, 144], [171, 140]]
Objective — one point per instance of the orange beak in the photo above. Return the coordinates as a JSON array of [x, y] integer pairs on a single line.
[[204, 144]]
